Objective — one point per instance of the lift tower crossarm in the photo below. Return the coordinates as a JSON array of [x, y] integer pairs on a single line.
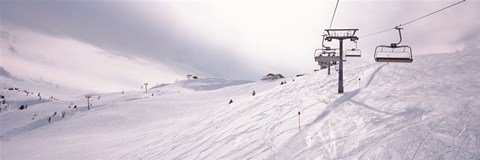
[[347, 34]]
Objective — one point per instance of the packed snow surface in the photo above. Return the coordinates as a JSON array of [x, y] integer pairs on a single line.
[[428, 109]]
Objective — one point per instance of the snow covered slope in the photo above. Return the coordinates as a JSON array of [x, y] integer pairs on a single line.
[[202, 84], [47, 89], [429, 109]]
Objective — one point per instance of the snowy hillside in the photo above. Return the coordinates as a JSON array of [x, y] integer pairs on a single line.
[[428, 109], [46, 89], [202, 84]]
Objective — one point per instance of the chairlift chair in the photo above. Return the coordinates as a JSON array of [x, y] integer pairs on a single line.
[[325, 57], [400, 54], [394, 52], [354, 52]]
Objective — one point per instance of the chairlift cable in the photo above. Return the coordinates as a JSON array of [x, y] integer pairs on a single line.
[[432, 13], [331, 22], [404, 24], [371, 34]]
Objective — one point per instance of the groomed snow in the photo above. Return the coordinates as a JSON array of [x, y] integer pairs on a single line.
[[429, 109]]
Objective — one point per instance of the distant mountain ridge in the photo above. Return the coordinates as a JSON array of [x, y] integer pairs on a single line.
[[204, 84]]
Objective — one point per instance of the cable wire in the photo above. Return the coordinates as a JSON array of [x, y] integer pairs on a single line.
[[431, 13], [335, 11], [409, 22], [368, 35]]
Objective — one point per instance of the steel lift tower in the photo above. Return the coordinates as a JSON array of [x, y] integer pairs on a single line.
[[340, 35]]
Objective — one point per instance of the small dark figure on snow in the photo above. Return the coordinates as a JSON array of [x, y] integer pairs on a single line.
[[49, 120], [54, 113], [253, 93], [3, 101], [231, 101]]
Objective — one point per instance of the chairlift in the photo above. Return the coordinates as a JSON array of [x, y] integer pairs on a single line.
[[394, 52], [325, 57], [318, 55], [326, 48], [354, 52]]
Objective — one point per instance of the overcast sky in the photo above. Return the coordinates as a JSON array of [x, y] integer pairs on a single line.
[[112, 45]]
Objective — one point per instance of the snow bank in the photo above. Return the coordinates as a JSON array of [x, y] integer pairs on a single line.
[[428, 109]]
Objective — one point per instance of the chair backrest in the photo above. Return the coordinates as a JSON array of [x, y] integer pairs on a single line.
[[353, 53], [385, 53]]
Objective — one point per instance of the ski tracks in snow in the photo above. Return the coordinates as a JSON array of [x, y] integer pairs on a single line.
[[351, 126]]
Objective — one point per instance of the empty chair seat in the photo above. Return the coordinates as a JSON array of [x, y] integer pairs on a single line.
[[393, 53], [394, 59]]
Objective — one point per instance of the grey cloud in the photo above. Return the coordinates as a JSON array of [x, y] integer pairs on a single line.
[[470, 36], [470, 39], [117, 27], [8, 41], [5, 73]]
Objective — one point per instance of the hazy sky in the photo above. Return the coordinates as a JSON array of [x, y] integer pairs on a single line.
[[115, 45]]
